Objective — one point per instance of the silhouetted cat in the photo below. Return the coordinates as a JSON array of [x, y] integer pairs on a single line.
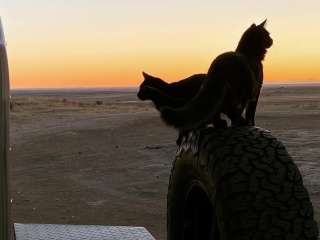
[[232, 84], [172, 95]]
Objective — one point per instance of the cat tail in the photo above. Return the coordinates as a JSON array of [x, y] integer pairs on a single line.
[[199, 111]]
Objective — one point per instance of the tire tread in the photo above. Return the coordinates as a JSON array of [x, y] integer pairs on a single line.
[[259, 189]]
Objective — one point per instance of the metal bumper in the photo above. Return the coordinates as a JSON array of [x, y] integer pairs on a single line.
[[79, 232]]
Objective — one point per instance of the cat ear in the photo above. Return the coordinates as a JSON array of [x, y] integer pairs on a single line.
[[145, 74], [263, 23]]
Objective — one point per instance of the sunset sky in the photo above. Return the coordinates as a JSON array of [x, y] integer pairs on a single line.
[[104, 43]]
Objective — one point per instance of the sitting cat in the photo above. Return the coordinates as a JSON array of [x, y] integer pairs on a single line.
[[172, 95], [232, 84]]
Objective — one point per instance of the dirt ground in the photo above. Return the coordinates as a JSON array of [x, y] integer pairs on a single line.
[[76, 160]]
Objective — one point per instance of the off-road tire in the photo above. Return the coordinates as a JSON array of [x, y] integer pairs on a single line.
[[237, 183]]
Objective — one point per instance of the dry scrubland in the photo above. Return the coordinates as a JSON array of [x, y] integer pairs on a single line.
[[105, 157]]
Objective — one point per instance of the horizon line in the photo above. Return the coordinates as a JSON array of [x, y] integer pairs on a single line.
[[313, 83]]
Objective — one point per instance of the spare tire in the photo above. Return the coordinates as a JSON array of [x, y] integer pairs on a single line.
[[237, 183]]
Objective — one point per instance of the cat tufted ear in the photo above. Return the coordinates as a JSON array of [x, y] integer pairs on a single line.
[[263, 23]]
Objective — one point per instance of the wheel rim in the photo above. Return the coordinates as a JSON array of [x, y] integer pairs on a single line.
[[199, 216]]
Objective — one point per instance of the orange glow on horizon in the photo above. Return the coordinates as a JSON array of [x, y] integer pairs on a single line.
[[117, 72], [109, 43]]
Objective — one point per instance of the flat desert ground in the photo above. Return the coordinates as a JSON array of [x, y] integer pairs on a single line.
[[74, 160]]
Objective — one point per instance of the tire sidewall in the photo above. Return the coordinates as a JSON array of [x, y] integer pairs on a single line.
[[186, 175]]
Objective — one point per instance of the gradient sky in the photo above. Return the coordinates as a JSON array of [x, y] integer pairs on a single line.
[[102, 43]]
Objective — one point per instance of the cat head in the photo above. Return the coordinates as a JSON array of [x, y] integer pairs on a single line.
[[255, 40], [149, 81]]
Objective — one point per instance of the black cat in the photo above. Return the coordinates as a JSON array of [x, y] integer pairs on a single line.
[[172, 95], [232, 84]]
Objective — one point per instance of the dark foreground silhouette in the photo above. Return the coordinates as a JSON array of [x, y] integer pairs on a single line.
[[232, 84]]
